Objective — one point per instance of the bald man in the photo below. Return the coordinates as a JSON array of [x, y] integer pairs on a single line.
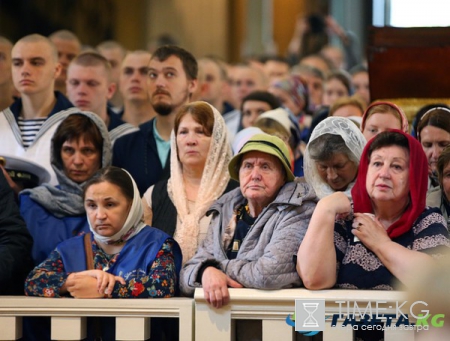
[[26, 127], [68, 46]]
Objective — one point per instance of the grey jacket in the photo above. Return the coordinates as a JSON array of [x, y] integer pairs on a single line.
[[265, 258]]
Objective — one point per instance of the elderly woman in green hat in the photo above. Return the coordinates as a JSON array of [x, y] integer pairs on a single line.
[[256, 229]]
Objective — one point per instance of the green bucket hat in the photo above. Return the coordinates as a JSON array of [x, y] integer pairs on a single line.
[[264, 143]]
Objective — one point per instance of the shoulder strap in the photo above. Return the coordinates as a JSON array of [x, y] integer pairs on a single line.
[[88, 251], [90, 266]]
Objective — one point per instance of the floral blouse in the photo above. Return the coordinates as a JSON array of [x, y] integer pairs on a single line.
[[48, 277]]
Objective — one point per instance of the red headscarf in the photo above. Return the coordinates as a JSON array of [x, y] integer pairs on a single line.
[[404, 120], [418, 184]]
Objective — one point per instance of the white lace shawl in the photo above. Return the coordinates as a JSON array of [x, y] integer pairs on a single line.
[[214, 181], [354, 140]]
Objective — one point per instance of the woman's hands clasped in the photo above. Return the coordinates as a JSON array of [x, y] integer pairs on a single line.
[[92, 284]]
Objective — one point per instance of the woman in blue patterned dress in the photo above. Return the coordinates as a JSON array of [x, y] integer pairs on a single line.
[[385, 232], [130, 259]]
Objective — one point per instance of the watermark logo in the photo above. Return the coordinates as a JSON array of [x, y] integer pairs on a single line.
[[291, 322], [309, 318], [310, 315]]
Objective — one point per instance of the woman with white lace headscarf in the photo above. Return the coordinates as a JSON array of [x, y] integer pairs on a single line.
[[200, 153], [332, 156]]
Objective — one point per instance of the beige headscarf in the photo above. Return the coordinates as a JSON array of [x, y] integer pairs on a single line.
[[214, 181]]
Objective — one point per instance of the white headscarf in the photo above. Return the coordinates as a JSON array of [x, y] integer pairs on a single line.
[[242, 137], [353, 139], [215, 178], [133, 224]]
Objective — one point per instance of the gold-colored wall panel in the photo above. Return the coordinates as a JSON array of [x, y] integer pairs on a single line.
[[285, 14], [236, 26], [200, 26], [130, 23]]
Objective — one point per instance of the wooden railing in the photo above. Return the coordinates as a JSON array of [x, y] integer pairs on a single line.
[[198, 321], [68, 316], [272, 307]]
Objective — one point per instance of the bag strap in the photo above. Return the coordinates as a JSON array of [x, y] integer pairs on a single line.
[[90, 266], [88, 251]]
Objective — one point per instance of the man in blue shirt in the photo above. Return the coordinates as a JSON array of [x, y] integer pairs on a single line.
[[172, 79]]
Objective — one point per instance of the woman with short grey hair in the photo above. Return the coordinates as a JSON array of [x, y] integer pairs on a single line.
[[255, 229]]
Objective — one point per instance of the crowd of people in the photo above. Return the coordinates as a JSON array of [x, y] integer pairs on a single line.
[[154, 174]]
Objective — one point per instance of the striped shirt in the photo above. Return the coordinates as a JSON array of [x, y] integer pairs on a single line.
[[29, 129]]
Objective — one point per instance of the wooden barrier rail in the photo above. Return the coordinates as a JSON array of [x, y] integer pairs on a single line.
[[272, 307], [68, 316], [196, 317]]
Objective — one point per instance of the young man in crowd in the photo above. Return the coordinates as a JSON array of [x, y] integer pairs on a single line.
[[172, 73], [114, 54], [246, 79], [27, 126], [134, 88], [68, 47], [89, 87], [215, 78]]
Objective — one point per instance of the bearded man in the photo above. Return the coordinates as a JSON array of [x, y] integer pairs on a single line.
[[172, 78]]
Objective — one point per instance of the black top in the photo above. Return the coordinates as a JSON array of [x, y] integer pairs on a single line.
[[243, 224], [164, 212], [62, 103], [138, 154], [15, 244]]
